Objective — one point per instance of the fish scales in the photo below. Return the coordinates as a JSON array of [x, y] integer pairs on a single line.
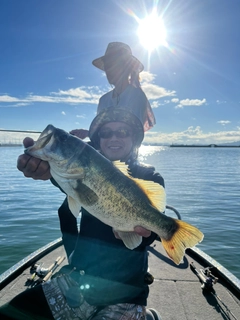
[[113, 193]]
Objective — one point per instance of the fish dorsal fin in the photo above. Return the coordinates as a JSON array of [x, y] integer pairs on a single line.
[[123, 167], [154, 191], [74, 206]]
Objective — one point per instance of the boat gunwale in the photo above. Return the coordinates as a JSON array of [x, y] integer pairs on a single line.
[[228, 276], [14, 271]]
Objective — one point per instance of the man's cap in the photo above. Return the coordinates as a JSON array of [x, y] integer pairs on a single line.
[[114, 114]]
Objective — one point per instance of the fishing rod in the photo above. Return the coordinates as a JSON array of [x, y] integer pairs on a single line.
[[207, 280], [52, 269], [44, 274], [25, 131]]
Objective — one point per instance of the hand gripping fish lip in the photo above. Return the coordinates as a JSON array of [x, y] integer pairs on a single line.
[[42, 141]]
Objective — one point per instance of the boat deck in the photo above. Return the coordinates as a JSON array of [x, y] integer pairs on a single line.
[[176, 291]]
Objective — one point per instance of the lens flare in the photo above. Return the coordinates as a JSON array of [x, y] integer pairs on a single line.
[[152, 32]]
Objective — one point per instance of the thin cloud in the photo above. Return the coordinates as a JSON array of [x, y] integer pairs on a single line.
[[76, 92], [191, 102], [71, 96], [7, 98], [146, 76], [224, 122], [88, 95], [154, 92], [16, 137], [220, 102], [193, 135], [155, 104]]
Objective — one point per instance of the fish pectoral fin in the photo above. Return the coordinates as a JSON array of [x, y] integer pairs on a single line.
[[154, 191], [74, 206], [185, 236], [86, 196], [131, 239]]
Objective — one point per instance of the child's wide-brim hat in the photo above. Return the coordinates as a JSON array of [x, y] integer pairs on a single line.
[[118, 50], [114, 114]]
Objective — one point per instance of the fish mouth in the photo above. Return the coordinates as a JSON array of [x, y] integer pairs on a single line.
[[36, 149]]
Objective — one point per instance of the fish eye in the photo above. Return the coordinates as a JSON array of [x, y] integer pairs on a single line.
[[63, 136]]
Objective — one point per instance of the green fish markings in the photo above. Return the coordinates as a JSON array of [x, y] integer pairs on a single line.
[[108, 192]]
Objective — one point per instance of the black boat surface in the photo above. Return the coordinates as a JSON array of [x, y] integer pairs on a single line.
[[199, 288]]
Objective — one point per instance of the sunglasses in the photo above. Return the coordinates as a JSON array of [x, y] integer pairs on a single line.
[[120, 133]]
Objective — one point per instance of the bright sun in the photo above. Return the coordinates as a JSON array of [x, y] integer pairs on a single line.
[[152, 32]]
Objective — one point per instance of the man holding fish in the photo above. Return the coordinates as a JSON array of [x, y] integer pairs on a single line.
[[105, 277], [110, 275]]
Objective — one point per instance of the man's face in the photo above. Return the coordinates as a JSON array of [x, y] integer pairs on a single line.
[[116, 147]]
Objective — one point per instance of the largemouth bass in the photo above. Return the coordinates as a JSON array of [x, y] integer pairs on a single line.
[[108, 192]]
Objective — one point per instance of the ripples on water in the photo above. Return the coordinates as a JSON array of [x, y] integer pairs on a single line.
[[28, 211], [202, 183]]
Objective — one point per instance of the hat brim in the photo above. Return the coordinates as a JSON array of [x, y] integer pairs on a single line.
[[137, 65], [116, 115]]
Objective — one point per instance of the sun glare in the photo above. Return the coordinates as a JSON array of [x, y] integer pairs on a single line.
[[152, 32]]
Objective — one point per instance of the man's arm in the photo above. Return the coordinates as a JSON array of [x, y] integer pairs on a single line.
[[68, 226]]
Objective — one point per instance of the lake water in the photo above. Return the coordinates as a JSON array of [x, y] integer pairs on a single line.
[[203, 184]]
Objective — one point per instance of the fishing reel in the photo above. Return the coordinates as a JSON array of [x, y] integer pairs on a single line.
[[38, 270], [42, 274], [205, 276]]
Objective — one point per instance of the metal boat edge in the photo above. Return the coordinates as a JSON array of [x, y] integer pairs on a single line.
[[19, 267]]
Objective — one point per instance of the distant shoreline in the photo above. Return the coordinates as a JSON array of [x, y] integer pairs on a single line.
[[11, 145], [201, 146], [156, 145]]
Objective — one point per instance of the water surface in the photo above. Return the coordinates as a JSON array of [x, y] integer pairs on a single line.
[[202, 183]]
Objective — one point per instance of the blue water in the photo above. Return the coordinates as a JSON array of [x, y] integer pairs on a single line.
[[202, 183]]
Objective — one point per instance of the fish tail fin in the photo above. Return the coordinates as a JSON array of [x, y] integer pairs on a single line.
[[185, 236]]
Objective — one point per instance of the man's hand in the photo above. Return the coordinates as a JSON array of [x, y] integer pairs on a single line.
[[139, 230], [142, 232], [32, 167], [80, 133]]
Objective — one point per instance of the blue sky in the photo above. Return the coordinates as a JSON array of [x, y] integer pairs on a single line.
[[192, 82]]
